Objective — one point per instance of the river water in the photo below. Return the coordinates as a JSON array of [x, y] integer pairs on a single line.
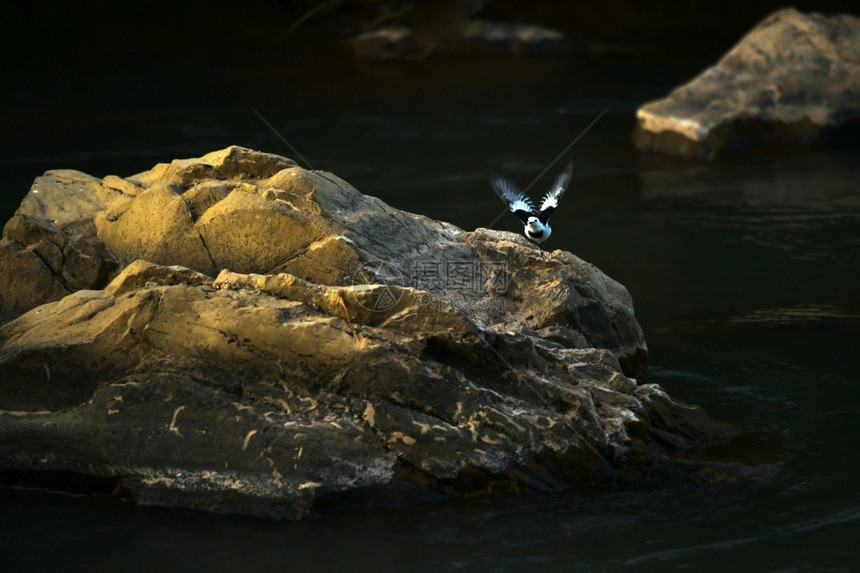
[[745, 273]]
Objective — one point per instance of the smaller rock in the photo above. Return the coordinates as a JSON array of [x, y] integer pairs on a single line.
[[515, 37], [793, 80], [385, 44], [403, 43]]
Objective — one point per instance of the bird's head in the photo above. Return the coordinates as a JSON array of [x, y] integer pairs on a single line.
[[532, 220]]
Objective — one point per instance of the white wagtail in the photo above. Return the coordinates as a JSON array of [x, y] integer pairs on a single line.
[[536, 221]]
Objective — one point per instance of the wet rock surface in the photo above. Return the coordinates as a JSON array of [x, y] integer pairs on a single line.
[[793, 80], [264, 339]]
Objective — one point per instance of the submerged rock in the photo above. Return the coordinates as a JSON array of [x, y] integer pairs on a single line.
[[347, 354], [517, 38], [405, 43], [793, 80]]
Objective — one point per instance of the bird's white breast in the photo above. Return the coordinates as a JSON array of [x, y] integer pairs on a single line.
[[537, 231]]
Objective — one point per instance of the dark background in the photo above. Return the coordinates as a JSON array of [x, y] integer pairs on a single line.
[[81, 80], [745, 271]]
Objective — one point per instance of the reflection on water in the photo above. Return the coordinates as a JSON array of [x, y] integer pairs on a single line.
[[800, 315], [804, 206]]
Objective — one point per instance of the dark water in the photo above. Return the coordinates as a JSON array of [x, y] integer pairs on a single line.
[[745, 274]]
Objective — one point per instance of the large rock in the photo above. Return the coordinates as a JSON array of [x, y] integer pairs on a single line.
[[792, 80], [347, 354]]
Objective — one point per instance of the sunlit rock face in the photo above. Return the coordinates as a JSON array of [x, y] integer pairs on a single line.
[[793, 80], [250, 336]]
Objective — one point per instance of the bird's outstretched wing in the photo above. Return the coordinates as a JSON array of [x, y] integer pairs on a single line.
[[517, 201], [559, 186]]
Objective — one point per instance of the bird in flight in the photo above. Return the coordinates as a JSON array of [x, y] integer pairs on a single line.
[[536, 220]]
